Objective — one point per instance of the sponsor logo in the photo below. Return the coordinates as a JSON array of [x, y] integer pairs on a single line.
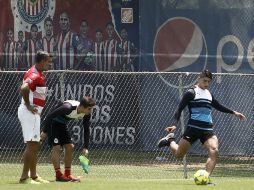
[[178, 46]]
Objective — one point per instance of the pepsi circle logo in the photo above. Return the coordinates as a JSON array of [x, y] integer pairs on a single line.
[[179, 46]]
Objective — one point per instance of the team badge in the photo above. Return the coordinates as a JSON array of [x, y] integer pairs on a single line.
[[127, 15], [56, 140], [28, 12]]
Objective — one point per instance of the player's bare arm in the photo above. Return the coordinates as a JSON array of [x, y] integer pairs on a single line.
[[239, 115], [25, 94]]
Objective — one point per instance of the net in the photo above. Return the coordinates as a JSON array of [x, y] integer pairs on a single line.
[[131, 114]]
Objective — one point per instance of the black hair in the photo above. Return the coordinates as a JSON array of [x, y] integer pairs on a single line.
[[48, 19], [87, 101], [98, 30], [41, 55], [109, 23], [84, 20], [34, 26], [206, 73]]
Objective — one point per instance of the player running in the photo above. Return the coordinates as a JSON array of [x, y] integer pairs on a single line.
[[58, 134], [200, 125]]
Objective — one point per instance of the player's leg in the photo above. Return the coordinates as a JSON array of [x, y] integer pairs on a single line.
[[68, 154], [55, 158], [179, 150], [211, 144], [33, 148], [69, 148], [29, 159], [54, 139], [30, 124]]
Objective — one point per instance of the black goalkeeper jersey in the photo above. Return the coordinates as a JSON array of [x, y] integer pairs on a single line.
[[65, 112]]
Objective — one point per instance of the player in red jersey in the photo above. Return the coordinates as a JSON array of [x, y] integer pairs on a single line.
[[33, 91]]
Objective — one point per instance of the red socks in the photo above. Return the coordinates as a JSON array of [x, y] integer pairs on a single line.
[[67, 171], [58, 172]]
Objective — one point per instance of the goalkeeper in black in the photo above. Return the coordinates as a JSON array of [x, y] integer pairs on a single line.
[[200, 125], [55, 128]]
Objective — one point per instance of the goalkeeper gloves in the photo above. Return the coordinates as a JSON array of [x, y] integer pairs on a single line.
[[84, 163]]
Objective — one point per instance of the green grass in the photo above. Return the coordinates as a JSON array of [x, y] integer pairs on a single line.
[[121, 177]]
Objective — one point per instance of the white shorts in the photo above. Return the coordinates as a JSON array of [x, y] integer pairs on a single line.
[[30, 124]]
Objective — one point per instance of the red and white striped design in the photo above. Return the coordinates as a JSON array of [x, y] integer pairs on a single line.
[[9, 55], [20, 55], [33, 9], [110, 55], [37, 84], [31, 49], [126, 59], [65, 51], [48, 45], [98, 52]]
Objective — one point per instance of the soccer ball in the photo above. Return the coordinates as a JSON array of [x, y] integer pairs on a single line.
[[201, 177]]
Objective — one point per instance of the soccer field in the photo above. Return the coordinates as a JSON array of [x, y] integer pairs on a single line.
[[125, 177]]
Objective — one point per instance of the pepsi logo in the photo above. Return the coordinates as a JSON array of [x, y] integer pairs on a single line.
[[178, 45]]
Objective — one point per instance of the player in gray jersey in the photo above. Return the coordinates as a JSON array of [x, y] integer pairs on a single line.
[[200, 125], [56, 129]]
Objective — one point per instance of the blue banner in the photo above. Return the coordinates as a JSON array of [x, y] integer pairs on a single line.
[[191, 39]]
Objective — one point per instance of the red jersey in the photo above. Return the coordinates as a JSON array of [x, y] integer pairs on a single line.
[[37, 84]]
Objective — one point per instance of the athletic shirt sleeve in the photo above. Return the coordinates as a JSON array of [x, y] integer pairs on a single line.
[[187, 97], [33, 80], [220, 107], [86, 125], [64, 109]]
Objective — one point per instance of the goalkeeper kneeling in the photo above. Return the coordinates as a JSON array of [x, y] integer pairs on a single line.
[[55, 128]]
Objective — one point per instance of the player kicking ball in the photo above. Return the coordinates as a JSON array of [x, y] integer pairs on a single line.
[[200, 125], [59, 136]]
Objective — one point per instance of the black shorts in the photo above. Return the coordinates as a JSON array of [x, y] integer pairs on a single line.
[[59, 135], [192, 134]]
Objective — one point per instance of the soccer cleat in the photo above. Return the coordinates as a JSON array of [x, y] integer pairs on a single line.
[[165, 141], [40, 180], [210, 183], [28, 181], [62, 178], [73, 179], [84, 163]]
